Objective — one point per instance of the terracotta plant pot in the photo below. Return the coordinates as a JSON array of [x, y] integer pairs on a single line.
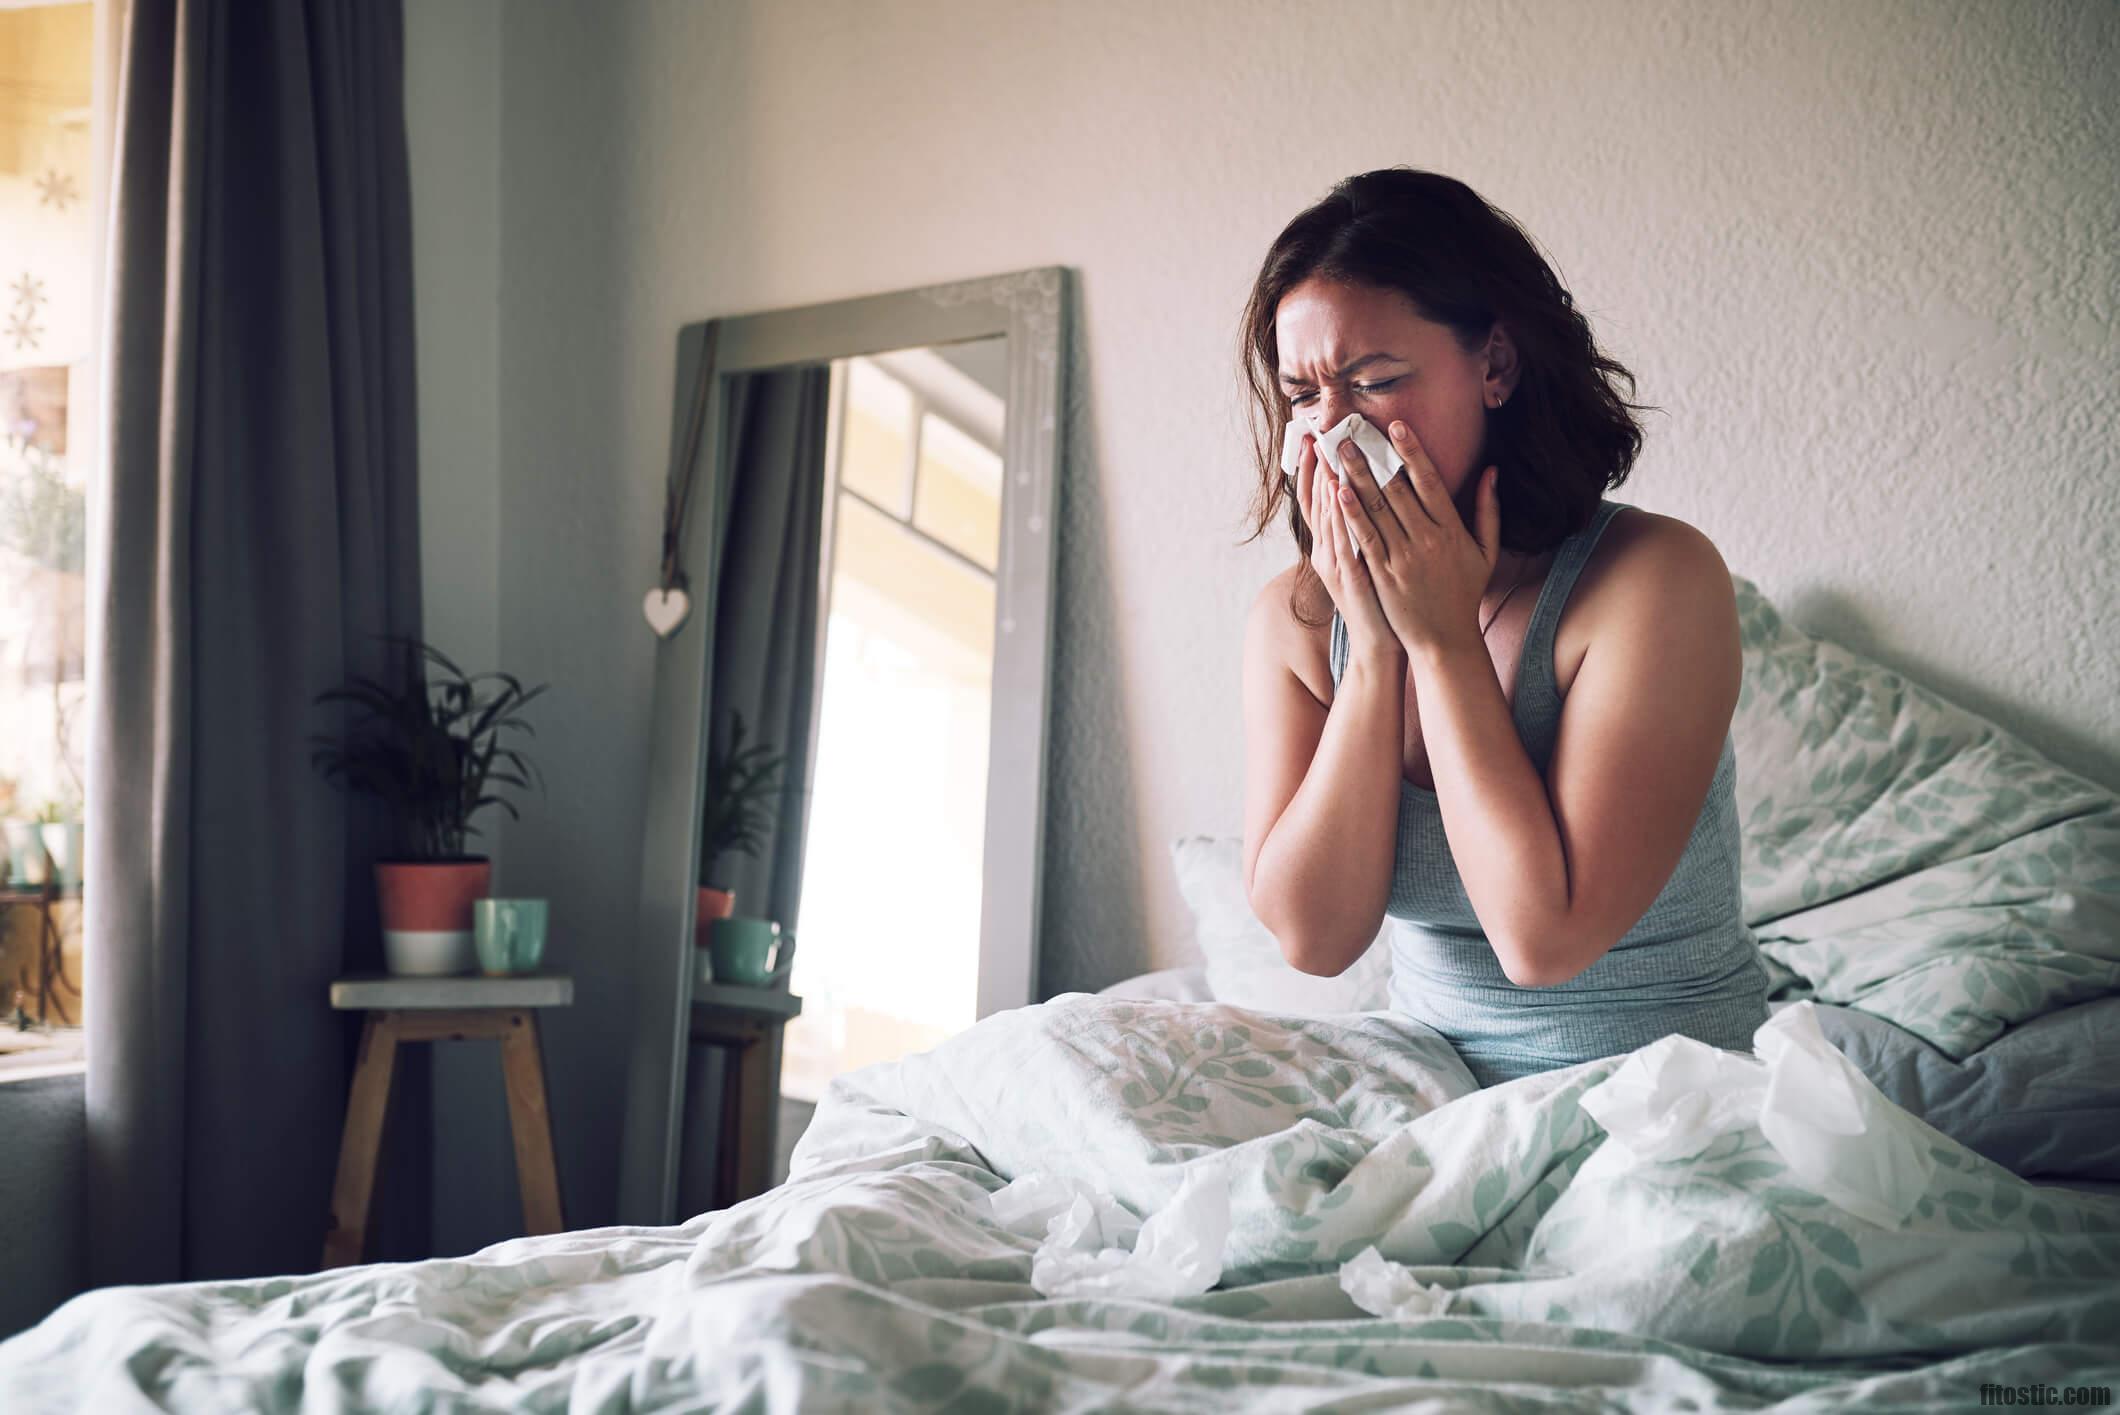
[[426, 910], [713, 904]]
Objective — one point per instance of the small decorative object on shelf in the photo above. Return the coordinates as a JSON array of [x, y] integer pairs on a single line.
[[753, 953], [431, 750], [23, 863], [59, 830], [741, 784]]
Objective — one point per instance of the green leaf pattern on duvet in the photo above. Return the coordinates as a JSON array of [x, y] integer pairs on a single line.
[[1909, 858], [878, 1278]]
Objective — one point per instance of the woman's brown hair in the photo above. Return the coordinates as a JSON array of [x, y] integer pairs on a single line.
[[1564, 436]]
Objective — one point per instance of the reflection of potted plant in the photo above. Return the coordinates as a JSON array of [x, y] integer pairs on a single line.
[[430, 750], [18, 838], [59, 826], [741, 783]]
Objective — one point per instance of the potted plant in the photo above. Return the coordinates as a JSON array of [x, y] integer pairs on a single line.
[[432, 750], [741, 783], [59, 827], [17, 837]]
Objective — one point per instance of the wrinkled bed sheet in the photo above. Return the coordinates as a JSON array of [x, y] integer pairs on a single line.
[[880, 1276]]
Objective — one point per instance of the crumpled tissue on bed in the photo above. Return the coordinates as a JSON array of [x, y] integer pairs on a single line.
[[1829, 1123], [1383, 1288], [1384, 459], [1086, 1235]]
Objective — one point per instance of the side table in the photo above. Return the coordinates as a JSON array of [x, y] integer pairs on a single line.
[[747, 1023], [51, 962], [414, 1009]]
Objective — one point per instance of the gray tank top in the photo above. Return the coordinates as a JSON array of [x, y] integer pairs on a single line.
[[1688, 965]]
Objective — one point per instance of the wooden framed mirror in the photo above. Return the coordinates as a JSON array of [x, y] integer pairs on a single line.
[[925, 562]]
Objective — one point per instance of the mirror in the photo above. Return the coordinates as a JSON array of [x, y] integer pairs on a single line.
[[868, 550]]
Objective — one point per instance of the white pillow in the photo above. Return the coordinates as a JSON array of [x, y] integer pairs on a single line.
[[1245, 966], [1186, 984]]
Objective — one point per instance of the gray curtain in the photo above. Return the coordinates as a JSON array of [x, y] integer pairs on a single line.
[[260, 529], [768, 538]]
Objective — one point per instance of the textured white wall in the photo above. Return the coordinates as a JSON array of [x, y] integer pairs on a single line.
[[1863, 255]]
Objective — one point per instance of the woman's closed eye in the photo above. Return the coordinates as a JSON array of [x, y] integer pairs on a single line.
[[1299, 399]]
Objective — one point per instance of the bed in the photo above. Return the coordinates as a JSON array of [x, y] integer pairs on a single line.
[[1219, 1185]]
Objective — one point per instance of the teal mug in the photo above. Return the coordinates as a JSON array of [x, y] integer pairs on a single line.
[[754, 952], [509, 935]]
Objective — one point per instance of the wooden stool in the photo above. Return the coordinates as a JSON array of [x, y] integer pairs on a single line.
[[747, 1023], [407, 1009]]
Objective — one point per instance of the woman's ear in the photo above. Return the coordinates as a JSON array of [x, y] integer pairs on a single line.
[[1503, 367]]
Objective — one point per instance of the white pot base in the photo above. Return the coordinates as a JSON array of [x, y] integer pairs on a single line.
[[416, 953]]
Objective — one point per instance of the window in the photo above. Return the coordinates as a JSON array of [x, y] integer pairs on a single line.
[[892, 879], [51, 198]]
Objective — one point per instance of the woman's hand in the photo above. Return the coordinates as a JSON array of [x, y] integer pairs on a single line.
[[1425, 571], [1369, 633]]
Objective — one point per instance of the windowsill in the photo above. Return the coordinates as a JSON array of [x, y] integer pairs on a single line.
[[38, 1054], [45, 1072]]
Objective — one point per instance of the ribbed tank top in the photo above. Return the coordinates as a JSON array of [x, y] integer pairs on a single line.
[[1688, 965]]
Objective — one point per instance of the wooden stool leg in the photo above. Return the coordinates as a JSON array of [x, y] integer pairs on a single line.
[[757, 1085], [530, 1117], [367, 1105], [728, 1143]]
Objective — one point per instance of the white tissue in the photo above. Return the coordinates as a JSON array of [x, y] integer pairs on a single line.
[[1036, 1205], [1835, 1130], [1672, 1098], [1176, 1253], [1384, 459], [1834, 1127], [1387, 1289]]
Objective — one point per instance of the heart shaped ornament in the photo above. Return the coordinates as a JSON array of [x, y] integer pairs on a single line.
[[666, 609]]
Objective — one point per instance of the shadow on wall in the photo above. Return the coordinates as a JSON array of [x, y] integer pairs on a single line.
[[1093, 920], [1833, 614]]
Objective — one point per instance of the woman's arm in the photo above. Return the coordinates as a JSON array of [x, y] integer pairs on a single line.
[[1321, 790], [1559, 869]]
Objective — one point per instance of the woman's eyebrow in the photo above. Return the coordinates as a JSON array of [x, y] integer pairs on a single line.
[[1291, 380]]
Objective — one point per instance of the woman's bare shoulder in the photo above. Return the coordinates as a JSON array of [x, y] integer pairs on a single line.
[[1639, 545], [1644, 567], [1275, 630]]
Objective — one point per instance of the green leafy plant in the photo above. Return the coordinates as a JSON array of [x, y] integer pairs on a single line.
[[742, 782], [430, 749]]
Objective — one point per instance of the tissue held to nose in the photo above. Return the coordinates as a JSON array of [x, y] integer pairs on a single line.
[[1384, 459]]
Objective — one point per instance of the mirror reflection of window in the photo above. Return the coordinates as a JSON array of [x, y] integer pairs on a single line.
[[891, 883]]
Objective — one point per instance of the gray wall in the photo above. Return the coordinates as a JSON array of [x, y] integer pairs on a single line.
[[41, 1258], [452, 115], [1851, 251]]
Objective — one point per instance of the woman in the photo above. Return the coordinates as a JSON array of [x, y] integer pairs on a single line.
[[1560, 855]]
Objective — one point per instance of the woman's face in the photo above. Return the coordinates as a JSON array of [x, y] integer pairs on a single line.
[[1358, 349]]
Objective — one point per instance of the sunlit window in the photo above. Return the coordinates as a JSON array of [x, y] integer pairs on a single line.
[[888, 954], [49, 183]]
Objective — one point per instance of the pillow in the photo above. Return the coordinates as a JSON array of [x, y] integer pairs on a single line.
[[1245, 966], [1187, 984], [1908, 858], [2041, 1099]]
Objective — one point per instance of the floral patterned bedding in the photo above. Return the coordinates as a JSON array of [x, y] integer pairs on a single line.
[[1565, 1269]]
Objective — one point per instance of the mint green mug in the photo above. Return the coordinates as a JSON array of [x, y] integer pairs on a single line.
[[509, 934], [753, 952]]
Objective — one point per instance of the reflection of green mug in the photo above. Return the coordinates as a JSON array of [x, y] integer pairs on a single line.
[[509, 934], [749, 951]]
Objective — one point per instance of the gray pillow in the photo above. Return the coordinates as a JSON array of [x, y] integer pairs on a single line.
[[2041, 1099]]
